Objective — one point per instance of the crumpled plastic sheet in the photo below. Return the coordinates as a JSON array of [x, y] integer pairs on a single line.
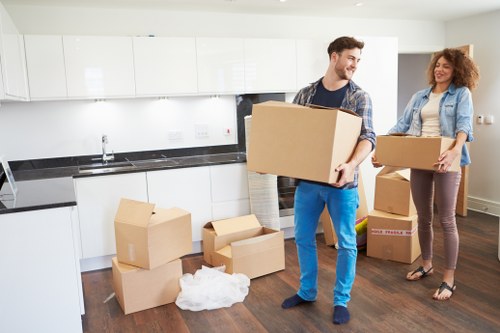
[[211, 288]]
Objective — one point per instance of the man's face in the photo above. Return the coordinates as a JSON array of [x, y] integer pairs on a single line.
[[346, 62]]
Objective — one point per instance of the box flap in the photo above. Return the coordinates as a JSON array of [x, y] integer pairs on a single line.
[[232, 225], [134, 212], [314, 106], [403, 172]]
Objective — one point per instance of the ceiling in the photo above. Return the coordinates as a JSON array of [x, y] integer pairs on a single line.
[[435, 10]]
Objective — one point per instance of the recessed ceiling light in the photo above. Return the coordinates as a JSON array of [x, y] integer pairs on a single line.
[[282, 0], [358, 4]]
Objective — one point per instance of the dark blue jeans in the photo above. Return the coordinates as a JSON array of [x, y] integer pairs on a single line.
[[310, 199]]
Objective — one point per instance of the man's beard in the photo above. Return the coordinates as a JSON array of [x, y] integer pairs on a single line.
[[343, 74]]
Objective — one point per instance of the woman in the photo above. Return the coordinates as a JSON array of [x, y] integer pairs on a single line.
[[443, 109]]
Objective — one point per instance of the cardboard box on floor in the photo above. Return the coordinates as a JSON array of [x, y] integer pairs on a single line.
[[244, 246], [392, 191], [413, 152], [326, 221], [301, 142], [149, 237], [392, 237], [138, 289]]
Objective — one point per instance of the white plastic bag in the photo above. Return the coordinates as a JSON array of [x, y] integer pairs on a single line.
[[211, 288]]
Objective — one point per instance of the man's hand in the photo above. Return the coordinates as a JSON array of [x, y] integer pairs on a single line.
[[346, 174]]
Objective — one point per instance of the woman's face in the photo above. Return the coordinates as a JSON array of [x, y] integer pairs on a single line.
[[443, 71]]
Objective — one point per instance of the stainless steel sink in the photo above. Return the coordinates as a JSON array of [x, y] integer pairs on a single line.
[[98, 168]]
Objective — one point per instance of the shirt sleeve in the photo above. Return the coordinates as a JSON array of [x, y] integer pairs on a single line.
[[364, 108], [465, 110]]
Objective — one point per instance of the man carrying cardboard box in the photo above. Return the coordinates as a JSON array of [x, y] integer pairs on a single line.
[[335, 89]]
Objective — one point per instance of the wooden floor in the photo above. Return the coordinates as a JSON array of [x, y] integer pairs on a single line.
[[382, 300]]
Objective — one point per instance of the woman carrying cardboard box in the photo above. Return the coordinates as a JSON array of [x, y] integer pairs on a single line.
[[443, 109]]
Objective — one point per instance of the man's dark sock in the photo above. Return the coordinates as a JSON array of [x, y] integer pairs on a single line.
[[340, 315], [293, 301]]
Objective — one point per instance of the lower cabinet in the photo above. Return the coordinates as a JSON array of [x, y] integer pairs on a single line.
[[98, 199], [186, 188], [40, 279]]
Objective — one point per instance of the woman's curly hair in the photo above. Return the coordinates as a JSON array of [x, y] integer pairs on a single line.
[[465, 71]]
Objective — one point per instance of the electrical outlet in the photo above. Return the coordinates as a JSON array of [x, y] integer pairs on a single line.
[[201, 131], [174, 136]]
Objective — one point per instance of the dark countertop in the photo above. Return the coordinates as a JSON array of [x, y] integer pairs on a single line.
[[44, 184]]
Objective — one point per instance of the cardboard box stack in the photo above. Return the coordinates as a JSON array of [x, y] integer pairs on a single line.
[[392, 226], [244, 246], [149, 243]]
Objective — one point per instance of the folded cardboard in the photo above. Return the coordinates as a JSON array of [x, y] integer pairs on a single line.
[[300, 141], [361, 212], [138, 289], [254, 257], [392, 237], [416, 152], [392, 191], [148, 237], [244, 246]]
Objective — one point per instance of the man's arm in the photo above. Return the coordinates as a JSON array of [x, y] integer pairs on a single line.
[[363, 148]]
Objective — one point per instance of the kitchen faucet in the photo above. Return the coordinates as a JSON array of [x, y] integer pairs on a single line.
[[105, 156]]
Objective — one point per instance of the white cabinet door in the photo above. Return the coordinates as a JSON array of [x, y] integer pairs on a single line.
[[220, 65], [45, 64], [98, 199], [230, 196], [99, 66], [12, 58], [165, 66], [186, 188], [270, 65], [312, 61], [39, 279]]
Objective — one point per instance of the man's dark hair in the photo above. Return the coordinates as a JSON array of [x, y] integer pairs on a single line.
[[344, 43]]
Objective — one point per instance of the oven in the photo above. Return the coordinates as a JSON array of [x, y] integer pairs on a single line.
[[286, 193]]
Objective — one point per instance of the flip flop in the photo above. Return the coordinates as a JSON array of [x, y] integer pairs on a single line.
[[422, 271], [446, 286]]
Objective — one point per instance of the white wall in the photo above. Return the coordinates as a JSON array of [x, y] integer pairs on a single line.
[[483, 32], [66, 128]]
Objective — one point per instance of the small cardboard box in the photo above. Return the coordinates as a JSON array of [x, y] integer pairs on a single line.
[[261, 250], [392, 237], [326, 221], [138, 289], [254, 257], [148, 237], [392, 191], [415, 152], [301, 142]]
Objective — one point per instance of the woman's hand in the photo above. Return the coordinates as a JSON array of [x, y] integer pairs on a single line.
[[446, 160], [376, 163]]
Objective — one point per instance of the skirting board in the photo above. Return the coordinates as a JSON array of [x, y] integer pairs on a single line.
[[483, 206]]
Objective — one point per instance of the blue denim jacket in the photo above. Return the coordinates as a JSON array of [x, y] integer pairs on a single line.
[[455, 115]]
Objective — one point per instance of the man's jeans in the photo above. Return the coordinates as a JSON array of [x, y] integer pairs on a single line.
[[310, 199]]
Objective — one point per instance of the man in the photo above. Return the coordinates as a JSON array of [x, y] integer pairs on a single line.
[[335, 89]]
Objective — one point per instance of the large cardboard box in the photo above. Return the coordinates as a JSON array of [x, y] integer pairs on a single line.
[[392, 191], [244, 246], [392, 237], [148, 237], [413, 152], [138, 289], [301, 142], [326, 222]]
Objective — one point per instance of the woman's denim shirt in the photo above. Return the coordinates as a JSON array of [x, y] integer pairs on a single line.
[[455, 115]]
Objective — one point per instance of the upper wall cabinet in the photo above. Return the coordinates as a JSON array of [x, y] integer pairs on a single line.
[[45, 63], [220, 65], [312, 61], [99, 66], [13, 62], [270, 65], [165, 66]]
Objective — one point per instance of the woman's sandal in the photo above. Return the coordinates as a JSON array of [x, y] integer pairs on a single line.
[[422, 271], [442, 287]]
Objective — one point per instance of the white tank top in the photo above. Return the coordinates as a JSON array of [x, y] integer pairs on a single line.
[[430, 116]]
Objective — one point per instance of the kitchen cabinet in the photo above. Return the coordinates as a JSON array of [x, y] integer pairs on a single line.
[[45, 64], [220, 63], [229, 190], [270, 65], [165, 66], [312, 61], [99, 66], [186, 188], [12, 58], [41, 288], [98, 199]]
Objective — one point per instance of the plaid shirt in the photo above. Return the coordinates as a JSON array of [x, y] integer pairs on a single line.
[[356, 100]]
